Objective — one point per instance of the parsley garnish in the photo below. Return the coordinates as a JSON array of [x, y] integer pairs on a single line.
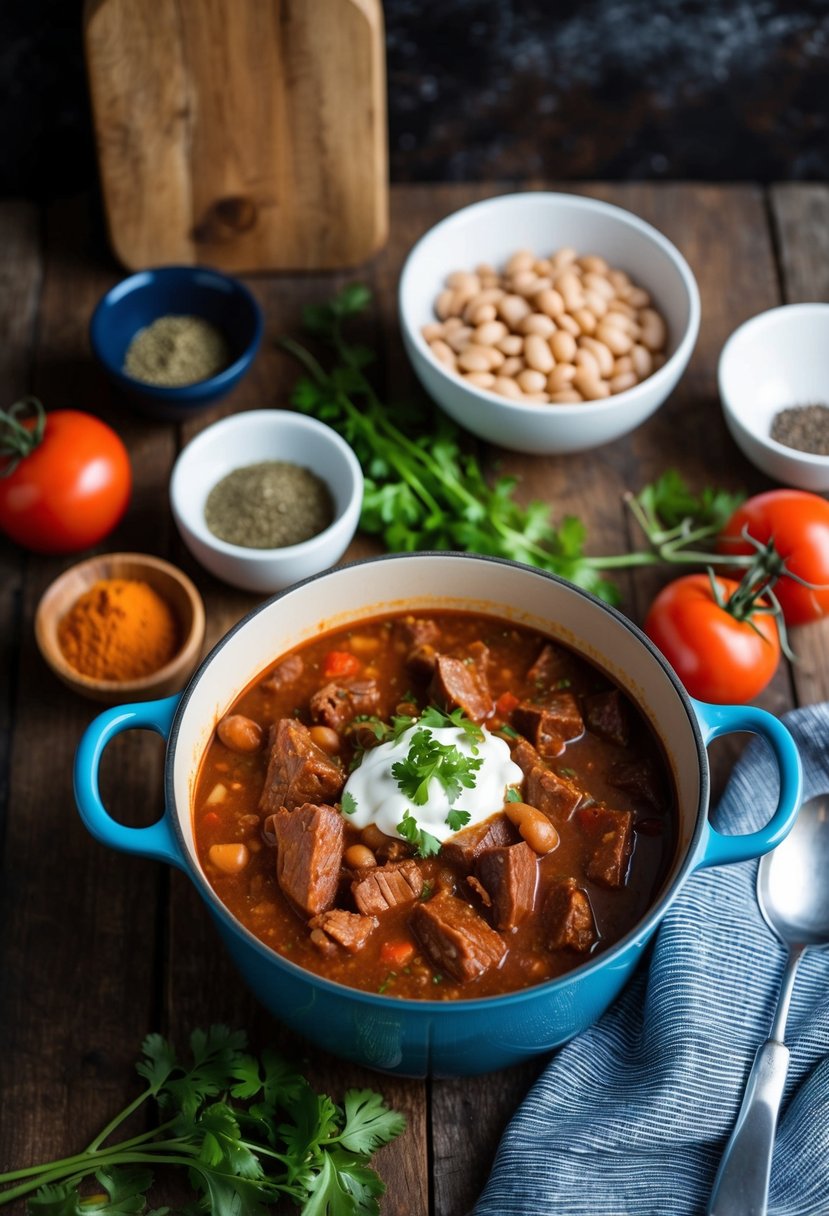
[[427, 758], [425, 844], [437, 719], [248, 1132], [457, 820], [349, 803], [513, 795]]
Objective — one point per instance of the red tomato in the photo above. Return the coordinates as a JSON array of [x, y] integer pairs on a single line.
[[340, 663], [717, 657], [798, 523], [70, 489]]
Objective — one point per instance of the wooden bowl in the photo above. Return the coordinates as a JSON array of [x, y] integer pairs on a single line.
[[170, 583]]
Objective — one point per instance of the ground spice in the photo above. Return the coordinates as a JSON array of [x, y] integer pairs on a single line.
[[175, 351], [268, 506], [804, 427], [120, 629]]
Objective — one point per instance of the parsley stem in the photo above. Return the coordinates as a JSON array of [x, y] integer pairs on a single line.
[[118, 1120]]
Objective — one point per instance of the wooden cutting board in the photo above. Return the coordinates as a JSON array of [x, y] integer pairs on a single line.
[[244, 134]]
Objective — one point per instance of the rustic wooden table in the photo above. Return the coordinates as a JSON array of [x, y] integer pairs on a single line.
[[97, 949]]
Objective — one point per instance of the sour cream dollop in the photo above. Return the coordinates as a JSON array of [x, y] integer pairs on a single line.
[[378, 799]]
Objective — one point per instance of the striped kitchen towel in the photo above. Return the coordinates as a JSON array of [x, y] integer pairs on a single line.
[[631, 1117]]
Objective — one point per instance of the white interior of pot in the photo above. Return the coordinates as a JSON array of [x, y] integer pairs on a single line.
[[401, 583]]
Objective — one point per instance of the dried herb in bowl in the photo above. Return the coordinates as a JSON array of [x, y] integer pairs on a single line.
[[268, 505], [804, 427]]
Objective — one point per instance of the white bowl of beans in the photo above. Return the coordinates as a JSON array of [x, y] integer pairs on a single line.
[[774, 388], [547, 323], [266, 498]]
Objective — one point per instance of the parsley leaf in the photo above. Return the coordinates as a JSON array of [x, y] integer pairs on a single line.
[[424, 843], [429, 759], [457, 819], [369, 1123], [349, 803]]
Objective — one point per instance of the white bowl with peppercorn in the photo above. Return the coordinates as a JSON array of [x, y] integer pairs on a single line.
[[548, 323], [774, 388], [265, 498]]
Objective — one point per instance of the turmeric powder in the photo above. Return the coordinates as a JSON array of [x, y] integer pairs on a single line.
[[120, 629]]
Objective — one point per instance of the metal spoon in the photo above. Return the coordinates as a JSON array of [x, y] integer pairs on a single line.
[[794, 898]]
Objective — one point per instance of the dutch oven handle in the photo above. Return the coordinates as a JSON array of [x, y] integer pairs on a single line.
[[157, 841], [716, 720]]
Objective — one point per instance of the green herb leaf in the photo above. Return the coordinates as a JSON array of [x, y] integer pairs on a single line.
[[369, 1122], [424, 843], [513, 795], [458, 819], [349, 803]]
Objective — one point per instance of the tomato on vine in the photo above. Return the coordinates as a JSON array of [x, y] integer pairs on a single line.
[[796, 524], [723, 643], [65, 478]]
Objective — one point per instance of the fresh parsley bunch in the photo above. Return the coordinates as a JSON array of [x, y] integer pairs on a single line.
[[247, 1130], [424, 490]]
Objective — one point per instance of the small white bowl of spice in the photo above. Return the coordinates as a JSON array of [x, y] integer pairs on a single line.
[[266, 498], [774, 388]]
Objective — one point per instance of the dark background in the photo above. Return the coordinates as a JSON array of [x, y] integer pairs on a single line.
[[615, 89]]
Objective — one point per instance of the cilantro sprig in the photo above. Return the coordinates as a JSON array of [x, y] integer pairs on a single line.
[[248, 1130], [430, 760], [425, 490]]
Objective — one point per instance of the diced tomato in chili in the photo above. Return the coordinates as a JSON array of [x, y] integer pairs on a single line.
[[505, 704], [211, 820], [340, 663], [397, 953]]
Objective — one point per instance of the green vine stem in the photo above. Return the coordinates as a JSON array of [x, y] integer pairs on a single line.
[[16, 439]]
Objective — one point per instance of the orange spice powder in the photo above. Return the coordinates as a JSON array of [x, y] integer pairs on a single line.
[[120, 629]]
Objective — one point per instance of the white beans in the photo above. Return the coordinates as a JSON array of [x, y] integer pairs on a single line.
[[559, 330]]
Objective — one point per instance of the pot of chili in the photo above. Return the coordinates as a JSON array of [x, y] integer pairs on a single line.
[[437, 805]]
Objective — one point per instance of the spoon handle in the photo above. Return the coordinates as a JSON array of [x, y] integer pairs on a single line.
[[742, 1183]]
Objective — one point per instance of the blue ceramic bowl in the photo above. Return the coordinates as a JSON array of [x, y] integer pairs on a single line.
[[444, 1038], [181, 290]]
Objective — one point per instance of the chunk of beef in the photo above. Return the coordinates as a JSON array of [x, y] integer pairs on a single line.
[[548, 668], [309, 853], [348, 929], [298, 770], [551, 725], [556, 796], [459, 685], [525, 756], [509, 874], [638, 778], [611, 836], [285, 673], [382, 887], [465, 846], [568, 917], [456, 938], [607, 714], [416, 631], [337, 704]]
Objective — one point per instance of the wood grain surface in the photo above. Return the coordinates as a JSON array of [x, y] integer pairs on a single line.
[[244, 134], [97, 949]]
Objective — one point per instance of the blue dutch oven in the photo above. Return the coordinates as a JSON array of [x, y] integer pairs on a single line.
[[443, 1038]]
